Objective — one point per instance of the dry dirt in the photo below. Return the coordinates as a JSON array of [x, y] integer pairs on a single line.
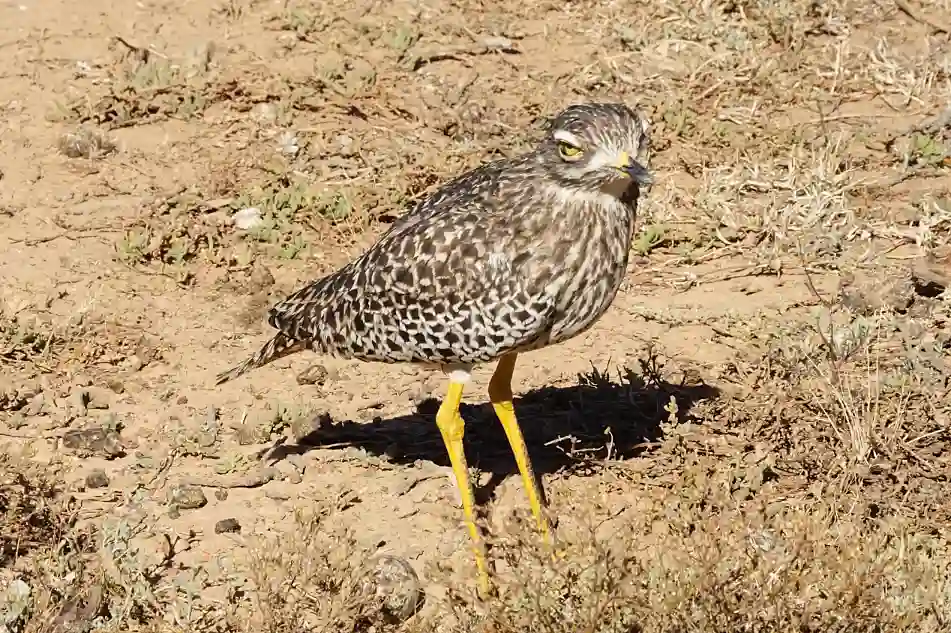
[[756, 437]]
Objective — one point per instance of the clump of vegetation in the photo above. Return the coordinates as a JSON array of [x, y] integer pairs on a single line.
[[143, 85], [317, 578], [86, 142], [706, 566], [34, 513]]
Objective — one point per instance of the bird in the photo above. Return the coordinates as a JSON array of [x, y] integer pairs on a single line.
[[514, 255]]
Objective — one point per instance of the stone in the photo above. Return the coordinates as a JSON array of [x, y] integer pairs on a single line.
[[314, 375], [94, 441], [392, 583], [187, 497], [97, 479], [248, 218], [867, 293]]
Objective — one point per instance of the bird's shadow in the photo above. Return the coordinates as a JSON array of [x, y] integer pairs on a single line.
[[566, 428]]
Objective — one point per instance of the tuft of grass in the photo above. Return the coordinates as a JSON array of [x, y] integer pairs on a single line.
[[178, 235], [23, 338], [703, 564], [61, 575], [317, 578], [33, 511], [86, 143], [144, 85]]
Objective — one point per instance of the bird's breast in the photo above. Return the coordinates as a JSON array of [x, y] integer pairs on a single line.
[[592, 271]]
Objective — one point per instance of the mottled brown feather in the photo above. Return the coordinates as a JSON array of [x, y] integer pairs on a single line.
[[514, 255]]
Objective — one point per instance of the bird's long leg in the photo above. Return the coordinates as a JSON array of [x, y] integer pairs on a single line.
[[500, 393], [452, 427]]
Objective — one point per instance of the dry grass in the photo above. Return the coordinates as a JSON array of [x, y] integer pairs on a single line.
[[792, 140], [319, 579], [32, 514], [708, 565], [819, 509], [815, 505]]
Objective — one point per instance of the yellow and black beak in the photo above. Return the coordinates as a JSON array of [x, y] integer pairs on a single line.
[[637, 172]]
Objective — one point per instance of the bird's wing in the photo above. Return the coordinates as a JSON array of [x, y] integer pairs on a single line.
[[479, 185], [449, 285]]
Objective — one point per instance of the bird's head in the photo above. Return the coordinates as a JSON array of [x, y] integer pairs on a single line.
[[598, 147]]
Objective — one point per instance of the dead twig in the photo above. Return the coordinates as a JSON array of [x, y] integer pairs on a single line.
[[24, 436], [140, 53], [49, 238], [486, 46], [249, 480], [914, 15], [809, 283]]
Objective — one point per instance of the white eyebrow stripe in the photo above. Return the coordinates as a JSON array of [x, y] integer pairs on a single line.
[[602, 158], [566, 137]]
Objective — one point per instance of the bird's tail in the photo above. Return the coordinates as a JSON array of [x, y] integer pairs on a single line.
[[278, 347]]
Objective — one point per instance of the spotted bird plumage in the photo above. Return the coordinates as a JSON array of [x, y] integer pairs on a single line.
[[515, 255]]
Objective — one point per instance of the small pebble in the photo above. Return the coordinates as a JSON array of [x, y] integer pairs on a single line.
[[94, 441], [313, 375], [393, 582], [97, 479], [134, 363], [206, 439], [187, 497], [277, 495], [227, 525], [247, 219], [221, 494], [289, 472], [305, 425], [36, 404]]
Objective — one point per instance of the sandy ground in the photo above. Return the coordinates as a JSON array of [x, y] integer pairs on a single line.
[[801, 205]]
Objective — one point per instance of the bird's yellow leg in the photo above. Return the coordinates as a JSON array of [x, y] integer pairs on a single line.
[[500, 393], [452, 427]]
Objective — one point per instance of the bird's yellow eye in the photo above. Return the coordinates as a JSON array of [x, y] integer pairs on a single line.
[[569, 151]]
